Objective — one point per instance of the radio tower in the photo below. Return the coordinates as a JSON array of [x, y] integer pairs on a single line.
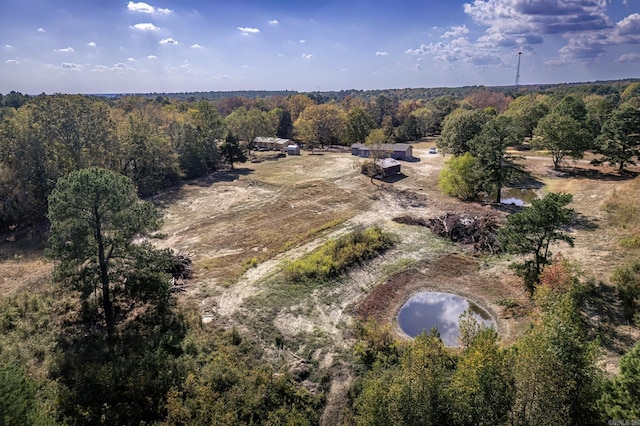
[[518, 72]]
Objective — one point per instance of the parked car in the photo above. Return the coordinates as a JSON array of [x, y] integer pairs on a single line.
[[433, 151]]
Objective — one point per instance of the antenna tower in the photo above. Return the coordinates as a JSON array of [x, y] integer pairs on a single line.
[[518, 72]]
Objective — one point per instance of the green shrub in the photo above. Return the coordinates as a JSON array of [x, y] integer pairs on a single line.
[[460, 178], [627, 280], [337, 255], [18, 395]]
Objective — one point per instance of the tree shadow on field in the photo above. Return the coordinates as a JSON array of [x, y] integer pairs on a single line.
[[594, 174], [583, 222], [604, 313], [228, 175], [506, 208], [23, 242]]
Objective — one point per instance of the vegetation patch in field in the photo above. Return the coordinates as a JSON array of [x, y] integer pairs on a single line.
[[623, 207], [336, 256]]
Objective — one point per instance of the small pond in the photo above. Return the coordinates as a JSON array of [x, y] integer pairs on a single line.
[[517, 196], [425, 310]]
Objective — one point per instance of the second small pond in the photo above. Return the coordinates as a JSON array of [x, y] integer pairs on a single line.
[[517, 196], [426, 310]]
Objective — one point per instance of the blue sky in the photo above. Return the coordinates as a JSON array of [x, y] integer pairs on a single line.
[[106, 46]]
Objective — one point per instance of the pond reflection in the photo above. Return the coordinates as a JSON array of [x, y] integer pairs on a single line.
[[425, 310], [517, 196]]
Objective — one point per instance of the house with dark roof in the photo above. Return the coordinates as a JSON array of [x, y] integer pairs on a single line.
[[270, 143], [397, 151]]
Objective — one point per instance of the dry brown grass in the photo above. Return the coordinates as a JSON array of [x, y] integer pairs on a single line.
[[22, 264]]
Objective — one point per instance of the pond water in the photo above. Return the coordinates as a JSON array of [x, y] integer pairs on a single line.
[[517, 196], [425, 310]]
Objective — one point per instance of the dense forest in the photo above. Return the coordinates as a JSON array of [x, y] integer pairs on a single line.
[[106, 339]]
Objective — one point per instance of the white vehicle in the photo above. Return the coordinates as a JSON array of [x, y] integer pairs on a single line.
[[433, 151]]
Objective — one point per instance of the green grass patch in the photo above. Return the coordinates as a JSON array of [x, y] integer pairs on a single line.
[[632, 242], [337, 255]]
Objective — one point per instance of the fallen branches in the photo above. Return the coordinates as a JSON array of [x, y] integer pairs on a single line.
[[479, 231]]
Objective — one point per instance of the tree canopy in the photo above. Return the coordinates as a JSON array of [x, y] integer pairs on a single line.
[[96, 218], [320, 125], [490, 149], [532, 231], [459, 128], [563, 136], [619, 142]]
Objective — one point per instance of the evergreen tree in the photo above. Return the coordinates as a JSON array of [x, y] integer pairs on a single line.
[[619, 141], [533, 230], [490, 150], [231, 150], [95, 217]]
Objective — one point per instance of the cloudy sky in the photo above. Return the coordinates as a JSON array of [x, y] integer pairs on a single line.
[[113, 46]]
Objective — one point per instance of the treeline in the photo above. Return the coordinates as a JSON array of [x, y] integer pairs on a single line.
[[159, 141], [423, 93]]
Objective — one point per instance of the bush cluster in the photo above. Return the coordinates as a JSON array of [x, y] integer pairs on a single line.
[[337, 255]]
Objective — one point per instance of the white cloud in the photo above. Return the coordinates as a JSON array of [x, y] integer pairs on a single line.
[[590, 46], [145, 27], [71, 66], [64, 50], [307, 56], [143, 7], [245, 66], [381, 53], [100, 68], [168, 41], [8, 46], [627, 30], [140, 7], [517, 25], [247, 30], [456, 31], [131, 59], [629, 58], [121, 67], [11, 61], [91, 44], [196, 46], [302, 41], [152, 57], [41, 30], [273, 22]]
